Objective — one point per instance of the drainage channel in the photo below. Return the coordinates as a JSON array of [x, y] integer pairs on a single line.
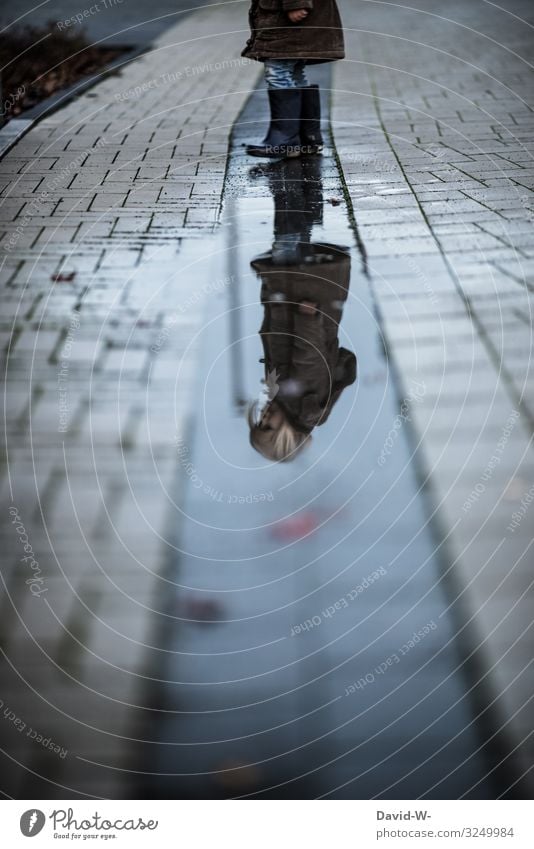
[[310, 651]]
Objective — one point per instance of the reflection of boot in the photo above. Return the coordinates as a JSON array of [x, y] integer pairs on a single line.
[[291, 226], [283, 138], [313, 188], [310, 120]]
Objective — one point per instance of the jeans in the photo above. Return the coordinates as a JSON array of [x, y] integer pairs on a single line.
[[285, 73]]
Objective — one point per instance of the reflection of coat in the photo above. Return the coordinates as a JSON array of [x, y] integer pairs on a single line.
[[317, 38], [312, 370]]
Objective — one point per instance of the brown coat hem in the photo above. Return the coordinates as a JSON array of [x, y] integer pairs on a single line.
[[317, 38]]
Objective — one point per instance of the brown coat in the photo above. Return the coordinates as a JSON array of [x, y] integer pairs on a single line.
[[318, 38], [312, 370]]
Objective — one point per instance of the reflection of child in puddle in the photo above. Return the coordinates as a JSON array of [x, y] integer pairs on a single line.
[[305, 368], [273, 435]]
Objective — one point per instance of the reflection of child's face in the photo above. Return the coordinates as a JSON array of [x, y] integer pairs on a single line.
[[272, 417]]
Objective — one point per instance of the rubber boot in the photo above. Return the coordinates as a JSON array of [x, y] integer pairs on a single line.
[[283, 139], [310, 120]]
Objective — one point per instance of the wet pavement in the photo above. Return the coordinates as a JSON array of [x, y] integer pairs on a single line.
[[128, 22], [202, 621], [313, 650], [105, 204]]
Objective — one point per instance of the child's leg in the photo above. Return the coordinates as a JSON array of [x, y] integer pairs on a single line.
[[285, 73], [285, 101], [299, 74], [291, 73]]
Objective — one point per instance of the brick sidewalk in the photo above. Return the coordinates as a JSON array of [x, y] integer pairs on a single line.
[[438, 164], [100, 205], [103, 206]]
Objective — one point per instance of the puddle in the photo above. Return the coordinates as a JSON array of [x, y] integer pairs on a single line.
[[312, 653]]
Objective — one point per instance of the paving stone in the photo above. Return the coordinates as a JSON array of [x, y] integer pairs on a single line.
[[89, 197], [441, 195], [476, 152]]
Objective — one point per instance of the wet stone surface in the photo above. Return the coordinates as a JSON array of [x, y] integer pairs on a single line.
[[273, 629], [315, 650]]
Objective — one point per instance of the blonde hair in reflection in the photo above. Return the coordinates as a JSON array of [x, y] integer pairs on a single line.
[[281, 444]]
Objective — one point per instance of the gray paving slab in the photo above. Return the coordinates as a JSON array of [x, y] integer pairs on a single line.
[[94, 261], [112, 209], [477, 367]]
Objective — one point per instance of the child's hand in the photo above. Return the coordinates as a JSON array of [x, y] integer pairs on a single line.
[[297, 15]]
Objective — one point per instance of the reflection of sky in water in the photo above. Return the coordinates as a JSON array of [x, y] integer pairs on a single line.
[[321, 569]]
